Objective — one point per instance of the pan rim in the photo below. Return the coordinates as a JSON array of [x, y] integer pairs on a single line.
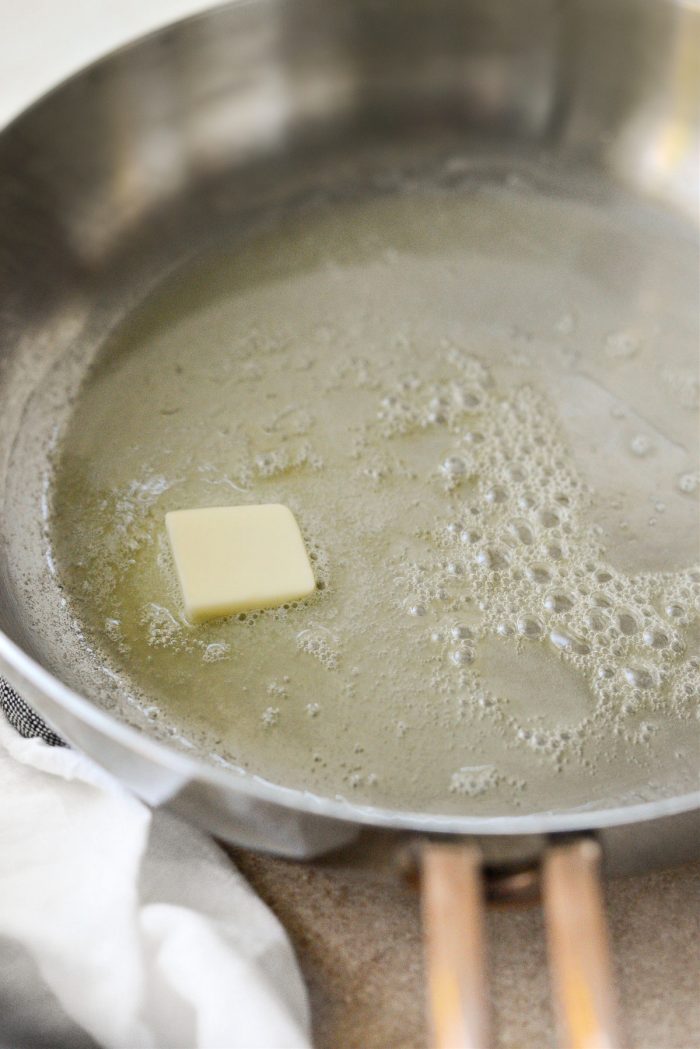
[[19, 667]]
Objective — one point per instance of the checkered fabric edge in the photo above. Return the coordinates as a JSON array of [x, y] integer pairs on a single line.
[[23, 718]]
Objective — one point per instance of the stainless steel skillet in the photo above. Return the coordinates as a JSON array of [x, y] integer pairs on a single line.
[[137, 163]]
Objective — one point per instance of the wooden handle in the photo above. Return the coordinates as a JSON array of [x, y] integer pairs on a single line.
[[454, 901], [579, 952], [453, 904]]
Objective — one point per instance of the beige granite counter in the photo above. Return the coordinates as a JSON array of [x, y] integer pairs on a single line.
[[357, 936]]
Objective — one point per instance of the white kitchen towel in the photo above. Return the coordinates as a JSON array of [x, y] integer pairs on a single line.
[[125, 927], [118, 926]]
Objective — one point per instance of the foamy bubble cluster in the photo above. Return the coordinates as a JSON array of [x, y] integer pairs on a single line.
[[519, 549], [475, 780], [320, 643], [415, 405]]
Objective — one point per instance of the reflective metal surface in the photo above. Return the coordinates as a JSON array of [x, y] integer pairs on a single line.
[[143, 159]]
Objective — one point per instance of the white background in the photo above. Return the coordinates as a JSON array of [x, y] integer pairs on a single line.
[[44, 41]]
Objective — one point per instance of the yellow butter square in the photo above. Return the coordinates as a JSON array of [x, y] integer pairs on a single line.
[[237, 558]]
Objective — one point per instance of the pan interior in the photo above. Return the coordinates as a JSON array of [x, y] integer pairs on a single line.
[[479, 396]]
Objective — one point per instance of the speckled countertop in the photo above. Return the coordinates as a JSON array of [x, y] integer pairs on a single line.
[[357, 936]]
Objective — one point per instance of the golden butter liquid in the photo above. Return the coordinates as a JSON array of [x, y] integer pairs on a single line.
[[482, 410]]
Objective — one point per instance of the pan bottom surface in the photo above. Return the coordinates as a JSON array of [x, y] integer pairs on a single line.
[[479, 396]]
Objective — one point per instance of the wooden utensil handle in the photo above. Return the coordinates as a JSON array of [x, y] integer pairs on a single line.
[[453, 918], [579, 951], [454, 903]]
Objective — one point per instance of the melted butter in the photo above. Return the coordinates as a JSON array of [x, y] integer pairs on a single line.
[[448, 399]]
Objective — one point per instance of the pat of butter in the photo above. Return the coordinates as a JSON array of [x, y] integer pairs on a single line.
[[237, 558]]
